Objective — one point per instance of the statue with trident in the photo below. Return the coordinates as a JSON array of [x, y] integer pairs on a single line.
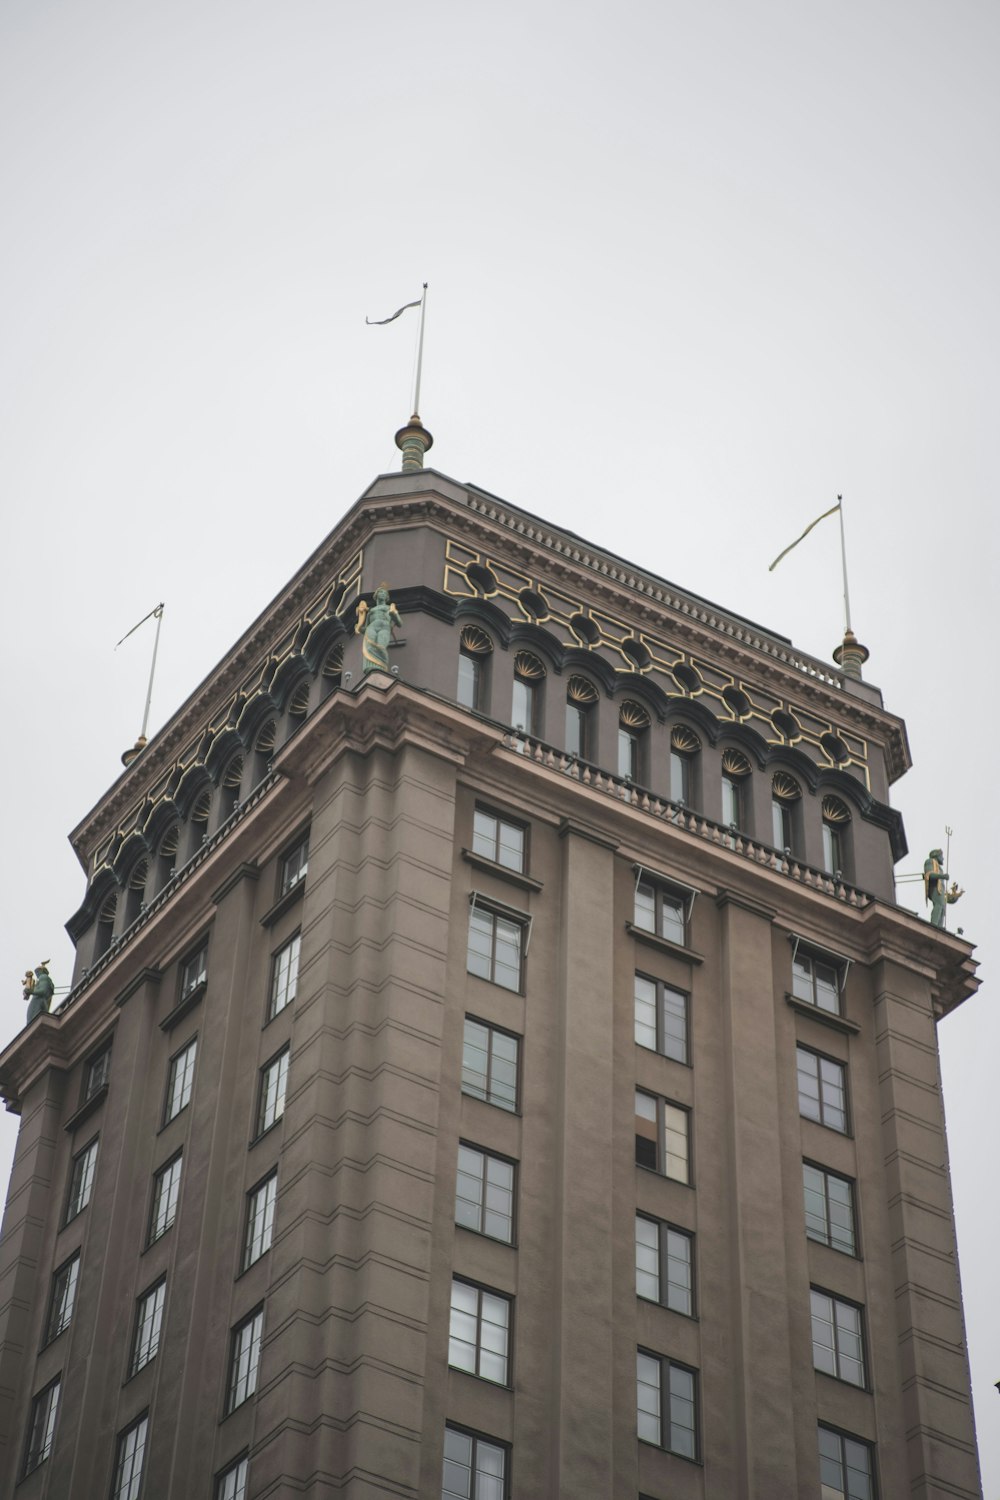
[[936, 889]]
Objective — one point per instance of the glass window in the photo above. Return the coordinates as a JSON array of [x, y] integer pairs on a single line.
[[629, 745], [781, 824], [96, 1073], [41, 1429], [786, 795], [489, 1064], [180, 1081], [166, 1190], [148, 1322], [499, 839], [822, 1089], [271, 1101], [666, 1404], [479, 1338], [829, 1204], [484, 1194], [661, 911], [475, 1468], [495, 945], [194, 971], [577, 725], [232, 1482], [664, 1264], [81, 1180], [661, 1136], [244, 1359], [680, 777], [833, 858], [470, 674], [63, 1298], [260, 1219], [846, 1467], [524, 705], [661, 1018], [838, 1341], [294, 866], [284, 976], [816, 981], [129, 1460], [732, 802]]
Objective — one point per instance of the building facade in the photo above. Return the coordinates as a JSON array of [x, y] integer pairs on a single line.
[[502, 1075]]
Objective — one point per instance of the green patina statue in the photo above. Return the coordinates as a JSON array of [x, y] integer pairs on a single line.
[[375, 622], [38, 990], [936, 887]]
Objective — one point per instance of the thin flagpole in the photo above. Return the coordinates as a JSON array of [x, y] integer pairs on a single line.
[[156, 643], [843, 558], [420, 354]]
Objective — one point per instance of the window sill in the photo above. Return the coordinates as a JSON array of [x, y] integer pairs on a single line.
[[284, 903], [826, 1017], [87, 1108], [684, 1457], [182, 1007], [662, 944], [491, 867], [655, 1172]]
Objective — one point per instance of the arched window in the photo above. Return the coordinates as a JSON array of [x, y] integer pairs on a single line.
[[474, 654], [786, 794], [166, 856], [735, 772], [581, 695], [684, 746], [232, 779], [136, 892], [331, 672], [528, 676], [298, 703], [263, 750], [836, 826], [105, 925], [633, 729]]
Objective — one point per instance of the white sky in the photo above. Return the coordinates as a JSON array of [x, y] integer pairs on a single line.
[[693, 270]]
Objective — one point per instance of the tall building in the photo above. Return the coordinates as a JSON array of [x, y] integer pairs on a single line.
[[495, 1064]]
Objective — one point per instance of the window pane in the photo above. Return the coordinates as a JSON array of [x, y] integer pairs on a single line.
[[128, 1468], [672, 918], [522, 710], [647, 1258], [480, 955], [648, 1397], [166, 1189], [628, 755], [679, 1278], [645, 1012], [284, 978], [63, 1298], [510, 851], [645, 908], [81, 1181], [679, 777], [508, 954], [484, 834], [44, 1410], [808, 1068], [802, 985], [232, 1485], [260, 1220], [244, 1360], [674, 1024], [675, 1123], [149, 1319], [180, 1081], [468, 681], [574, 730], [646, 1153], [827, 989], [682, 1421]]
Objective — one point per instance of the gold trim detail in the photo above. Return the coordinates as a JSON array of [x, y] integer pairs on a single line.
[[527, 666], [835, 811], [684, 740], [475, 641], [632, 715], [735, 763], [785, 787], [579, 690]]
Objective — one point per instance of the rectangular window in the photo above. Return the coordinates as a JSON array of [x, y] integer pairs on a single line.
[[294, 866], [829, 1203], [628, 755], [232, 1483], [148, 1322], [732, 802], [180, 1081], [96, 1073], [822, 1089], [495, 947], [816, 981], [479, 1338], [63, 1298], [833, 850], [489, 1064], [680, 777], [577, 725], [271, 1101], [194, 971], [166, 1190], [661, 1136], [81, 1180], [41, 1429], [525, 698], [499, 839], [244, 1359], [661, 911], [475, 1468], [664, 1265], [469, 680], [781, 824], [484, 1194], [661, 1018], [129, 1460], [846, 1467], [666, 1404], [260, 1219], [284, 976], [838, 1339]]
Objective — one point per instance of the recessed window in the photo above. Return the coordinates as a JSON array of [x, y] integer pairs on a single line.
[[81, 1180], [129, 1460], [662, 911], [484, 1194], [63, 1298], [786, 795], [135, 891], [666, 1401], [166, 1191], [332, 671], [166, 857], [293, 866], [489, 1064], [42, 1427], [836, 827], [244, 1360], [581, 698], [496, 946], [846, 1467], [474, 655], [662, 1136], [499, 839], [260, 1220], [817, 980], [664, 1265], [263, 749], [684, 746], [529, 674], [837, 1338], [105, 926], [194, 971], [829, 1205], [232, 1482], [475, 1468], [661, 1018], [148, 1324], [271, 1099], [96, 1072], [633, 731], [822, 1089], [232, 780], [284, 976], [479, 1335], [180, 1081], [735, 772]]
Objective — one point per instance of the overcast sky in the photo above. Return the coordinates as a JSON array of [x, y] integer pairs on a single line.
[[694, 269]]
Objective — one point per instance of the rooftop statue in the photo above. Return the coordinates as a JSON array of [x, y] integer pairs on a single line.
[[936, 889], [38, 990], [376, 622]]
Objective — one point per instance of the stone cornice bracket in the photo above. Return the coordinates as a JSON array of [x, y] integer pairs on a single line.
[[900, 937]]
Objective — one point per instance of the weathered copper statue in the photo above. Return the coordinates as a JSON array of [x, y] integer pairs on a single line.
[[38, 990], [376, 622], [936, 887]]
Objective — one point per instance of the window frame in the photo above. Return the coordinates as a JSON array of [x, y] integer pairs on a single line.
[[664, 1417], [139, 1357], [269, 1181], [192, 971], [474, 1472], [78, 1159], [804, 951], [502, 820], [247, 1381], [240, 1488], [37, 1452], [487, 1096], [662, 1104], [93, 1080], [829, 1240], [187, 1080], [65, 1316], [663, 1262], [843, 1438], [261, 1124], [290, 983], [662, 988], [487, 1157], [288, 876], [833, 1062], [496, 911], [679, 898], [836, 1302], [159, 1175], [482, 1291], [134, 1480]]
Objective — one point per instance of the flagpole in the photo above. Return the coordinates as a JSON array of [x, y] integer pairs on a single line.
[[420, 353], [152, 668], [843, 558]]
